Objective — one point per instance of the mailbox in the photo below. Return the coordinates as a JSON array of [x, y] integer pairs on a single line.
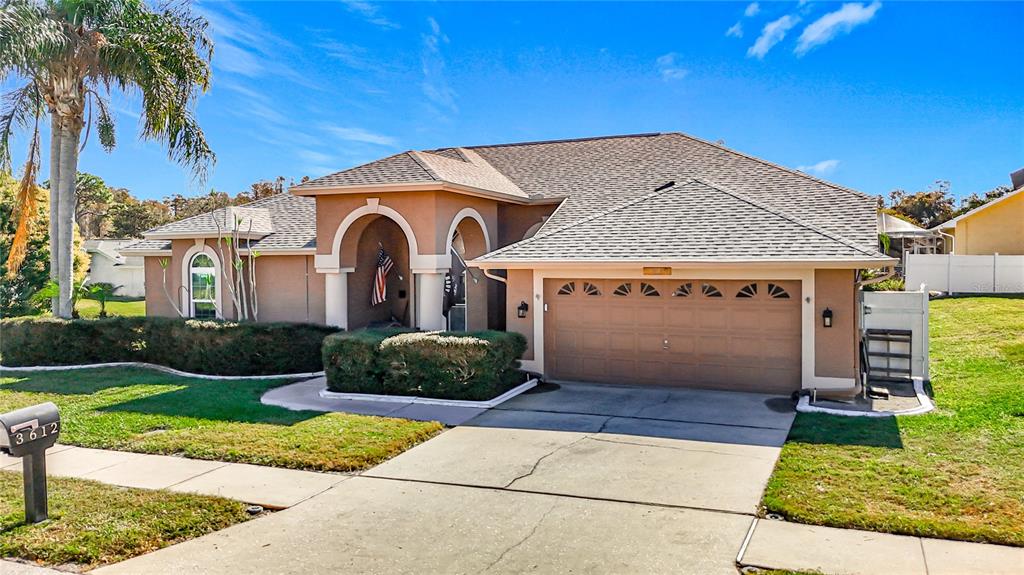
[[27, 433]]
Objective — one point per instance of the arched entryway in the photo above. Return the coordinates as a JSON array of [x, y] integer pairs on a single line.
[[360, 251], [468, 239]]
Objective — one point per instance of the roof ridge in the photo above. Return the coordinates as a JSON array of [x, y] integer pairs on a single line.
[[784, 215], [565, 140], [591, 217], [414, 154], [772, 164]]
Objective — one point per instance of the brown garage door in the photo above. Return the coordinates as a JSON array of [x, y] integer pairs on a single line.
[[738, 335]]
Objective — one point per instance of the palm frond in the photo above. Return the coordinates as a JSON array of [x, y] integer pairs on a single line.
[[26, 204], [29, 38], [21, 109]]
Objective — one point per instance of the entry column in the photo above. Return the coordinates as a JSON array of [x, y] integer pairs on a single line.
[[336, 298], [429, 300]]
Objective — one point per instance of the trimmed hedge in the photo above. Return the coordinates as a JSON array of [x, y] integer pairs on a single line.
[[474, 366], [207, 347]]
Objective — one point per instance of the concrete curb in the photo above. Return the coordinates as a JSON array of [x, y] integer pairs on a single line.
[[327, 394], [804, 406], [160, 368]]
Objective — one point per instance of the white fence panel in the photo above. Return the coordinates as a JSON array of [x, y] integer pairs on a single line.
[[902, 310], [966, 274]]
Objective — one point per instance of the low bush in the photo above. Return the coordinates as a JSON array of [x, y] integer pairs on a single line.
[[473, 366], [891, 284], [208, 347]]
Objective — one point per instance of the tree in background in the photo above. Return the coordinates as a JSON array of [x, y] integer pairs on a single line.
[[92, 200], [926, 209], [69, 53], [17, 288], [975, 201], [131, 219]]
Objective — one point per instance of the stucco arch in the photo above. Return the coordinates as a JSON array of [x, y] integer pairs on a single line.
[[372, 207], [475, 215]]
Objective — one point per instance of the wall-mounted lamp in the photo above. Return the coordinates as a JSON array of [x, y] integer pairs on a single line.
[[826, 317], [522, 309]]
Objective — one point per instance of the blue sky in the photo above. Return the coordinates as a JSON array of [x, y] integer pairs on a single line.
[[872, 95]]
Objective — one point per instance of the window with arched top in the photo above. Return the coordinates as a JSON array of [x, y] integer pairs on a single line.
[[749, 290], [684, 290], [648, 290], [202, 287], [777, 292], [568, 289], [591, 289], [710, 291], [623, 289]]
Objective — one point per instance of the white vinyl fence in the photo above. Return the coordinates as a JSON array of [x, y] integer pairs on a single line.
[[902, 310], [966, 274]]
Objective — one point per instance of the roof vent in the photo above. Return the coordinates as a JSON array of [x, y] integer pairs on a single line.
[[665, 186], [1017, 178]]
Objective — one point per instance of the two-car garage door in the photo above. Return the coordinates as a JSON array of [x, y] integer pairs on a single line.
[[737, 335]]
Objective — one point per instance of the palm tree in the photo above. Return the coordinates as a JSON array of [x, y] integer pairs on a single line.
[[70, 54]]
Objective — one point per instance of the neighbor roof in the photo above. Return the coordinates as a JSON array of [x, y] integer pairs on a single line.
[[692, 221], [280, 222], [595, 174]]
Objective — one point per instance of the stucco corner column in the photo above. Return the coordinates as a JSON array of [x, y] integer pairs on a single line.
[[429, 299], [336, 298]]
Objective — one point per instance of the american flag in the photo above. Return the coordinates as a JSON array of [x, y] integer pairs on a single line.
[[380, 279]]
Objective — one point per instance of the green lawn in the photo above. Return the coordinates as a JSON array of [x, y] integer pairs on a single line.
[[148, 411], [90, 308], [956, 473], [93, 524]]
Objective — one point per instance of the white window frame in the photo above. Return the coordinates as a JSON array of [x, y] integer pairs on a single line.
[[187, 301]]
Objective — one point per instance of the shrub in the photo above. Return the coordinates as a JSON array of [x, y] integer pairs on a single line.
[[891, 284], [352, 360], [474, 366], [208, 347]]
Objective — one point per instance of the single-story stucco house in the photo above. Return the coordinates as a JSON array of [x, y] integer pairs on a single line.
[[108, 265], [993, 228], [647, 259]]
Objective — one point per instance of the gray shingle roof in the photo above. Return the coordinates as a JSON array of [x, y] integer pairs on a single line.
[[147, 246], [597, 173], [400, 168], [285, 222], [691, 221]]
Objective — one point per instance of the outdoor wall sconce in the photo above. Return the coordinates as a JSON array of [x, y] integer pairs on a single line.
[[522, 309], [826, 317]]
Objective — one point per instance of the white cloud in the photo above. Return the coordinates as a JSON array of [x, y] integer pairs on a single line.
[[369, 12], [314, 157], [360, 135], [669, 68], [841, 21], [435, 82], [772, 33], [736, 30], [752, 10], [821, 168]]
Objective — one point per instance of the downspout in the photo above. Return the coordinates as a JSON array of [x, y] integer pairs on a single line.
[[489, 275]]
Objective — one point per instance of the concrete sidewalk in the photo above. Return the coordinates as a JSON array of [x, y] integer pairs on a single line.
[[797, 547], [271, 487]]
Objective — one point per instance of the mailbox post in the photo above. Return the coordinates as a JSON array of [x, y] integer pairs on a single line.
[[27, 433]]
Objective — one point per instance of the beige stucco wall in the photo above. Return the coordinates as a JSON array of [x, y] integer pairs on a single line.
[[519, 289], [288, 287], [515, 220], [998, 229], [360, 282], [835, 348]]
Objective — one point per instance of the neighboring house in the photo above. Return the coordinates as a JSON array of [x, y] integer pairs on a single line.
[[647, 259], [109, 265], [993, 228], [907, 238]]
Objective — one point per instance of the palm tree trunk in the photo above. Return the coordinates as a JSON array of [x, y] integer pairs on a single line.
[[55, 134], [68, 168]]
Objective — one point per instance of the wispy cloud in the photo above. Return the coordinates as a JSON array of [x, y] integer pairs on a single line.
[[772, 33], [735, 31], [351, 55], [351, 134], [314, 157], [370, 13], [669, 67], [841, 21], [822, 168], [435, 83], [753, 9]]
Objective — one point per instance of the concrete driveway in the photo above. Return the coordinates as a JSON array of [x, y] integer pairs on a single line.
[[582, 478]]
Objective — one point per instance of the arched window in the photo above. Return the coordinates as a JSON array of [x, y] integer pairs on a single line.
[[777, 292], [749, 290], [202, 287]]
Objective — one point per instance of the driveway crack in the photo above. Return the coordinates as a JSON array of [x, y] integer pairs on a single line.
[[519, 543], [542, 458]]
